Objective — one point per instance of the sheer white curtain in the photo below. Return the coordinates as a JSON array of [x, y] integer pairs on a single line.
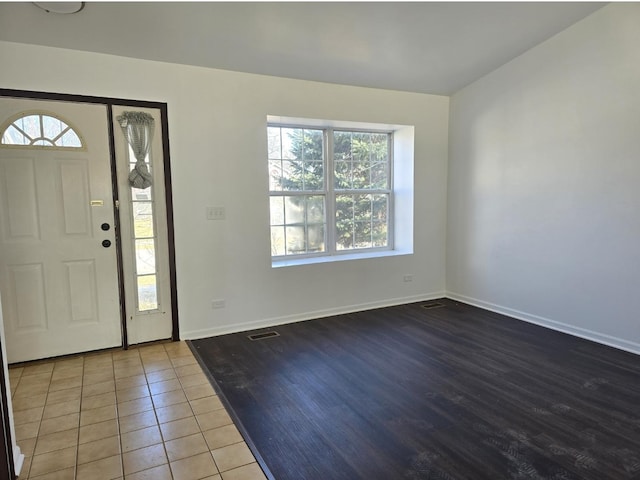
[[138, 130]]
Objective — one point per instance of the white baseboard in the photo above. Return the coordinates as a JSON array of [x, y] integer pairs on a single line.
[[594, 336], [597, 337], [18, 459], [274, 321]]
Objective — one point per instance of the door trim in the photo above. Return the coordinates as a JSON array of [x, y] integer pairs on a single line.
[[110, 102], [116, 225], [7, 467]]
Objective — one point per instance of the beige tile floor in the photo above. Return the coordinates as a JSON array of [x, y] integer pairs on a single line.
[[145, 413]]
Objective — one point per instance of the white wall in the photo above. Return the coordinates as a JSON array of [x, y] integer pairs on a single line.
[[217, 125], [544, 183]]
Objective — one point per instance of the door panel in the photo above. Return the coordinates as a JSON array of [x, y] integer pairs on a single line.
[[82, 291], [27, 298], [61, 284], [19, 209], [73, 181]]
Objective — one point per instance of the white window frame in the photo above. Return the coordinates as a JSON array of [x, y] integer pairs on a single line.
[[400, 213], [51, 141]]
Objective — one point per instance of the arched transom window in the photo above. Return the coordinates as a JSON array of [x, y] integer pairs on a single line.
[[40, 129]]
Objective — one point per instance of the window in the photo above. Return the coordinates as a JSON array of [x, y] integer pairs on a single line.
[[145, 238], [331, 190], [40, 130]]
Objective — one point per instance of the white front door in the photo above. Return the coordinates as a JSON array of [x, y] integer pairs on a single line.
[[58, 264]]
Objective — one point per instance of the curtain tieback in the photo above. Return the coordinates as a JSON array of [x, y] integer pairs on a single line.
[[140, 177]]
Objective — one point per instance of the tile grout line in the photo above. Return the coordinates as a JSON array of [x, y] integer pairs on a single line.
[[75, 468], [37, 441], [180, 370], [115, 395], [155, 413]]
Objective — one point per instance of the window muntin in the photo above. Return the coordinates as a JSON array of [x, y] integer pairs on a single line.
[[40, 129], [316, 174], [145, 242]]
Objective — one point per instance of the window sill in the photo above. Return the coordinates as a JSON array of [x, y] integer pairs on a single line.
[[292, 262]]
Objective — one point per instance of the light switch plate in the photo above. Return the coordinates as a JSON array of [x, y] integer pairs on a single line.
[[215, 213]]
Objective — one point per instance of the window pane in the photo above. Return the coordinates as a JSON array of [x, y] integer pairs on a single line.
[[297, 224], [344, 234], [342, 175], [342, 146], [354, 215], [52, 127], [344, 206], [362, 221], [292, 143], [138, 194], [379, 147], [360, 146], [315, 209], [147, 293], [30, 125], [344, 221], [379, 234], [361, 175], [273, 143], [277, 241], [294, 210], [12, 136], [142, 219], [145, 256], [380, 211], [69, 139], [292, 175], [275, 175], [316, 238], [276, 206], [379, 176], [362, 207], [362, 233], [312, 145], [295, 240], [313, 176]]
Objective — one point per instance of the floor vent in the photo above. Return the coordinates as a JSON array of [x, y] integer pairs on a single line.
[[261, 336], [430, 305]]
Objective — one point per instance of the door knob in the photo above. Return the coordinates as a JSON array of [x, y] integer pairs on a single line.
[[106, 243]]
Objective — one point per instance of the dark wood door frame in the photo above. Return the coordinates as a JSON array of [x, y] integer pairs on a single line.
[[7, 468], [110, 102]]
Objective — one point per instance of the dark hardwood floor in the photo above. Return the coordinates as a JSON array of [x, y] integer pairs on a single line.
[[447, 393]]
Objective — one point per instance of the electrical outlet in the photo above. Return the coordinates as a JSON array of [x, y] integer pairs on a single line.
[[215, 213], [408, 278], [219, 303]]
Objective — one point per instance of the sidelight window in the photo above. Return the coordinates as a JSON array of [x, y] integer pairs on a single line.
[[142, 207]]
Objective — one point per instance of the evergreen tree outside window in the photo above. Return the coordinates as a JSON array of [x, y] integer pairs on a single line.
[[330, 190]]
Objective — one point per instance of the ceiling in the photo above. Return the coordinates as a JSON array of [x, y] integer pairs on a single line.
[[428, 47]]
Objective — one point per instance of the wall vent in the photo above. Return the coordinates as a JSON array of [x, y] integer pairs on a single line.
[[430, 305], [262, 336]]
